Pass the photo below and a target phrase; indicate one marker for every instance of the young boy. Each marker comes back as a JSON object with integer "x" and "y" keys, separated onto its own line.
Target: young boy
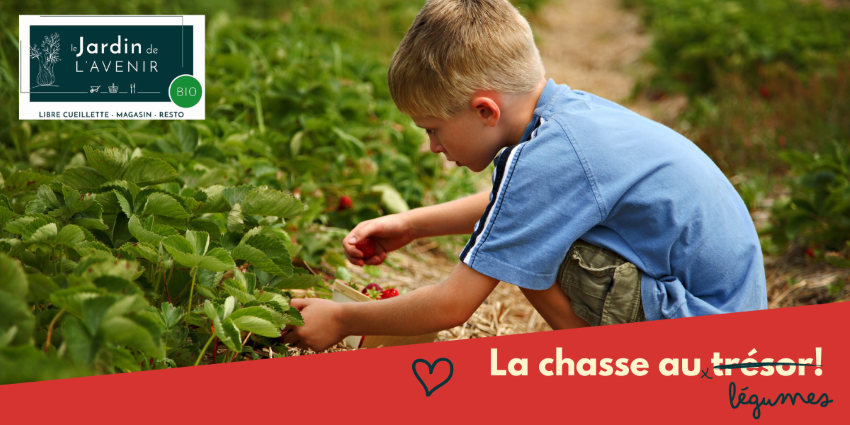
{"x": 599, "y": 215}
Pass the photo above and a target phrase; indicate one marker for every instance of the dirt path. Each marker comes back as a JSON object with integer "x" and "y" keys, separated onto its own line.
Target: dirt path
{"x": 596, "y": 46}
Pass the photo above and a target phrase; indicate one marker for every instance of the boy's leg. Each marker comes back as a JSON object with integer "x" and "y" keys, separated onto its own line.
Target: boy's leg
{"x": 602, "y": 286}
{"x": 554, "y": 306}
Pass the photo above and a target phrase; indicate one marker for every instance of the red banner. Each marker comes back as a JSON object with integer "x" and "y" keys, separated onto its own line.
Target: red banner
{"x": 658, "y": 372}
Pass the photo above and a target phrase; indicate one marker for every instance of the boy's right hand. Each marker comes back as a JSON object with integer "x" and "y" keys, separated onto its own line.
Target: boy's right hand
{"x": 390, "y": 233}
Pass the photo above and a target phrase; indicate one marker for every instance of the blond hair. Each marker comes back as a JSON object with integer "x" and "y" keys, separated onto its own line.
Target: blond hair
{"x": 457, "y": 47}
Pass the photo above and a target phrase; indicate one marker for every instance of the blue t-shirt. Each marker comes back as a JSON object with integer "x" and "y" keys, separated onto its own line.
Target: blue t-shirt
{"x": 587, "y": 168}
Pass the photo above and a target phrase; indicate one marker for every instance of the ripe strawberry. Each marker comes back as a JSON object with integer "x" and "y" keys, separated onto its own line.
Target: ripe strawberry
{"x": 367, "y": 247}
{"x": 373, "y": 286}
{"x": 344, "y": 203}
{"x": 764, "y": 92}
{"x": 810, "y": 253}
{"x": 389, "y": 293}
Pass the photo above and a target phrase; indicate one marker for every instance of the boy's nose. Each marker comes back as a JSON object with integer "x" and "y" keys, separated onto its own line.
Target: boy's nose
{"x": 437, "y": 148}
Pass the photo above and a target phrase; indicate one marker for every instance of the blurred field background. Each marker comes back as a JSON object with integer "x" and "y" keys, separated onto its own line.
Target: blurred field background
{"x": 297, "y": 98}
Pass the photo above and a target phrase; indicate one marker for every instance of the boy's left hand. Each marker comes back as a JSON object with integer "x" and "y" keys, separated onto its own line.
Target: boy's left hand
{"x": 321, "y": 328}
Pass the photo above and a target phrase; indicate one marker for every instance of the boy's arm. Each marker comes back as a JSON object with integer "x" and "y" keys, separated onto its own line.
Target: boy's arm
{"x": 394, "y": 231}
{"x": 424, "y": 310}
{"x": 457, "y": 217}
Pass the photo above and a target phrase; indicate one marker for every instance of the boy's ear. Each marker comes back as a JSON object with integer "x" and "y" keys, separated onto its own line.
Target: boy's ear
{"x": 487, "y": 110}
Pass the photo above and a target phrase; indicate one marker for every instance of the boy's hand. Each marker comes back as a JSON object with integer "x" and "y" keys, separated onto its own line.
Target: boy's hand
{"x": 321, "y": 328}
{"x": 390, "y": 233}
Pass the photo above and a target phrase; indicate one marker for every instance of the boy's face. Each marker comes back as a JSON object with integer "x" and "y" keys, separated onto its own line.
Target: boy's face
{"x": 468, "y": 139}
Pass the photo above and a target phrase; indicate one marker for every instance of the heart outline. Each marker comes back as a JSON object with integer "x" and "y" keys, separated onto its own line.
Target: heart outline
{"x": 431, "y": 371}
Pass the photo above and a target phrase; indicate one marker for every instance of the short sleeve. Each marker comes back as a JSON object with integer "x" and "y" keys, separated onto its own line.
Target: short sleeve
{"x": 543, "y": 200}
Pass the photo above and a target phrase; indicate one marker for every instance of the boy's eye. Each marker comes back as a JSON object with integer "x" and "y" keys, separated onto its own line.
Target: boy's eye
{"x": 429, "y": 132}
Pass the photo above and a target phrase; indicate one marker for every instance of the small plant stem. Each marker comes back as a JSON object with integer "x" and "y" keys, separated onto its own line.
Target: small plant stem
{"x": 215, "y": 350}
{"x": 243, "y": 344}
{"x": 165, "y": 284}
{"x": 191, "y": 293}
{"x": 50, "y": 329}
{"x": 200, "y": 356}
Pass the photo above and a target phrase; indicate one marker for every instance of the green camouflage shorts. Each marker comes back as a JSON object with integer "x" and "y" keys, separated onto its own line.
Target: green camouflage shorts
{"x": 603, "y": 287}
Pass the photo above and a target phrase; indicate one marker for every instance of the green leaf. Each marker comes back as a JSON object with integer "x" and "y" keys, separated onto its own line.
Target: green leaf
{"x": 93, "y": 311}
{"x": 182, "y": 250}
{"x": 5, "y": 215}
{"x": 40, "y": 285}
{"x": 141, "y": 234}
{"x": 391, "y": 199}
{"x": 271, "y": 248}
{"x": 76, "y": 202}
{"x": 145, "y": 171}
{"x": 81, "y": 178}
{"x": 70, "y": 235}
{"x": 229, "y": 305}
{"x": 116, "y": 285}
{"x": 171, "y": 315}
{"x": 18, "y": 225}
{"x": 215, "y": 202}
{"x": 14, "y": 311}
{"x": 256, "y": 320}
{"x": 82, "y": 346}
{"x": 123, "y": 203}
{"x": 199, "y": 240}
{"x": 136, "y": 332}
{"x": 123, "y": 359}
{"x": 235, "y": 220}
{"x": 40, "y": 231}
{"x": 109, "y": 163}
{"x": 235, "y": 195}
{"x": 235, "y": 289}
{"x": 45, "y": 200}
{"x": 269, "y": 202}
{"x": 217, "y": 260}
{"x": 230, "y": 333}
{"x": 342, "y": 273}
{"x": 91, "y": 217}
{"x": 91, "y": 248}
{"x": 13, "y": 281}
{"x": 141, "y": 250}
{"x": 186, "y": 134}
{"x": 257, "y": 259}
{"x": 71, "y": 299}
{"x": 22, "y": 181}
{"x": 165, "y": 205}
{"x": 304, "y": 281}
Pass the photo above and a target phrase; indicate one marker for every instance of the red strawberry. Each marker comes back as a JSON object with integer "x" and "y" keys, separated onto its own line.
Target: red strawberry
{"x": 344, "y": 203}
{"x": 765, "y": 93}
{"x": 367, "y": 247}
{"x": 373, "y": 286}
{"x": 389, "y": 293}
{"x": 810, "y": 253}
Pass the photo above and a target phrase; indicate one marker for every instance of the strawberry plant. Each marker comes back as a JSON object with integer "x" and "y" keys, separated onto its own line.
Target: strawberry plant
{"x": 137, "y": 245}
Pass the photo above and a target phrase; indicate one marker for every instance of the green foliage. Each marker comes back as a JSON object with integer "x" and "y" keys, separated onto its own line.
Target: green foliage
{"x": 698, "y": 41}
{"x": 818, "y": 211}
{"x": 132, "y": 245}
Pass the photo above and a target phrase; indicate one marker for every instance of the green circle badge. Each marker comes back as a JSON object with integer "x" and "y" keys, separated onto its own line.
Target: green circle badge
{"x": 185, "y": 91}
